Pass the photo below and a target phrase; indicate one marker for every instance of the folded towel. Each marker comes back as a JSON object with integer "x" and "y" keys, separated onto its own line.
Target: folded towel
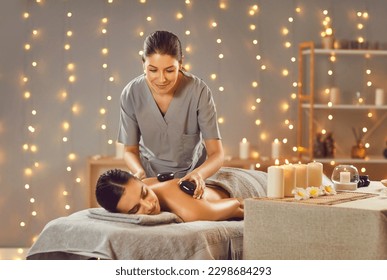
{"x": 162, "y": 218}
{"x": 241, "y": 183}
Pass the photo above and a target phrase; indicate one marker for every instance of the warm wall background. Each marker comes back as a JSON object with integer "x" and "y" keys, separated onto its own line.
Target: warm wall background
{"x": 66, "y": 109}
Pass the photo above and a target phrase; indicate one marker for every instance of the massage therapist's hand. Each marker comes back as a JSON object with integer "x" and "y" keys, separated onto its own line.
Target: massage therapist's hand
{"x": 140, "y": 174}
{"x": 199, "y": 182}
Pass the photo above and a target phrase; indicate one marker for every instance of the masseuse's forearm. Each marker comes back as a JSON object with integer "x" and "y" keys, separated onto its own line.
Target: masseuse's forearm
{"x": 215, "y": 158}
{"x": 210, "y": 166}
{"x": 132, "y": 160}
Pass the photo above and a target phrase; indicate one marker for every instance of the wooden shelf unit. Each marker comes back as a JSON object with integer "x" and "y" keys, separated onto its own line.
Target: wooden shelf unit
{"x": 307, "y": 105}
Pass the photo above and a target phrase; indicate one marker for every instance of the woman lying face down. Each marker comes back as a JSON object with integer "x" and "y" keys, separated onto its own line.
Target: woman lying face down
{"x": 119, "y": 191}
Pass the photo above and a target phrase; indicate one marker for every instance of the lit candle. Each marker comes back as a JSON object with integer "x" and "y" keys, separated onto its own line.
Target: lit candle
{"x": 345, "y": 177}
{"x": 301, "y": 175}
{"x": 289, "y": 179}
{"x": 314, "y": 171}
{"x": 379, "y": 97}
{"x": 119, "y": 150}
{"x": 275, "y": 182}
{"x": 275, "y": 149}
{"x": 334, "y": 95}
{"x": 244, "y": 148}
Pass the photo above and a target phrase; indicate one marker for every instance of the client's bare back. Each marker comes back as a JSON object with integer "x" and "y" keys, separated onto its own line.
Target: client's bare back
{"x": 214, "y": 205}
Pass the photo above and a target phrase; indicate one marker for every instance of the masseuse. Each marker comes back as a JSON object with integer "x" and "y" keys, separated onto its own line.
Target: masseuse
{"x": 168, "y": 119}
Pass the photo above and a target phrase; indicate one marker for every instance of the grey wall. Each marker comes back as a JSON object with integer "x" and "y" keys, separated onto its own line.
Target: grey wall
{"x": 126, "y": 18}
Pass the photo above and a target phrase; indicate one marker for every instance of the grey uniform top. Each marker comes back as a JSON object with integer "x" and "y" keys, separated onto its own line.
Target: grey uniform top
{"x": 173, "y": 142}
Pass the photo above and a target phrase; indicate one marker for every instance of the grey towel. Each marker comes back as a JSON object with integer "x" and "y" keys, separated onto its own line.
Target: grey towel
{"x": 162, "y": 218}
{"x": 241, "y": 183}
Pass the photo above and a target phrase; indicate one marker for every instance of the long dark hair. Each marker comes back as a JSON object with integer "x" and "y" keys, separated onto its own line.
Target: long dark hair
{"x": 163, "y": 42}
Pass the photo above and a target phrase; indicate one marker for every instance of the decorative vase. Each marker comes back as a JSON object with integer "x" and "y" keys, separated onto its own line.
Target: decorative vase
{"x": 319, "y": 150}
{"x": 330, "y": 148}
{"x": 327, "y": 42}
{"x": 358, "y": 151}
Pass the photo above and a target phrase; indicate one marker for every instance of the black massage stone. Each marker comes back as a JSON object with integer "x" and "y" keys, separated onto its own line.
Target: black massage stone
{"x": 166, "y": 176}
{"x": 188, "y": 187}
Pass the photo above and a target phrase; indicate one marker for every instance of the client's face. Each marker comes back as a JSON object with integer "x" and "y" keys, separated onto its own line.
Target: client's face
{"x": 138, "y": 198}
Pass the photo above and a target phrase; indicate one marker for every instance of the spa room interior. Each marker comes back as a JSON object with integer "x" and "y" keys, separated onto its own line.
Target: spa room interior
{"x": 295, "y": 83}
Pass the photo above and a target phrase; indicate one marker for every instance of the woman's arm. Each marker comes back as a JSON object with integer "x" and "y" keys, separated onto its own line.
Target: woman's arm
{"x": 214, "y": 160}
{"x": 213, "y": 163}
{"x": 132, "y": 160}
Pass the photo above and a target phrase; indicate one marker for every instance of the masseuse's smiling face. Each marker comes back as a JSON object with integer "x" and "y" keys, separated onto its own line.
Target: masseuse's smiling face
{"x": 138, "y": 198}
{"x": 162, "y": 73}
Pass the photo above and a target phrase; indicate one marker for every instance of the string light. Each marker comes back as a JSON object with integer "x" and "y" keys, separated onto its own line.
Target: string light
{"x": 29, "y": 148}
{"x": 288, "y": 33}
{"x": 70, "y": 108}
{"x": 72, "y": 156}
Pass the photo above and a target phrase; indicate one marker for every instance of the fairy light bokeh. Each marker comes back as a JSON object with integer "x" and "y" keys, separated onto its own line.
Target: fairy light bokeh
{"x": 73, "y": 69}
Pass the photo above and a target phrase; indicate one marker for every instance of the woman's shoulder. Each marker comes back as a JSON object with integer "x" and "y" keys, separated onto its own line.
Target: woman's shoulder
{"x": 137, "y": 83}
{"x": 134, "y": 88}
{"x": 194, "y": 84}
{"x": 193, "y": 80}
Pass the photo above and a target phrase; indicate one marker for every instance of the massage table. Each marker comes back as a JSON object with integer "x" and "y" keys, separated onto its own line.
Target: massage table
{"x": 84, "y": 235}
{"x": 97, "y": 234}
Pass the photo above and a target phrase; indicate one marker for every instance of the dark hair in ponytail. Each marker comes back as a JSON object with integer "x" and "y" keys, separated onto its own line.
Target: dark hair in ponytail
{"x": 163, "y": 42}
{"x": 110, "y": 187}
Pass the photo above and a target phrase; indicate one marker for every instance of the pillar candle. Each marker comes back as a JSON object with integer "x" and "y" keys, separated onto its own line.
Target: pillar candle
{"x": 301, "y": 175}
{"x": 244, "y": 149}
{"x": 314, "y": 171}
{"x": 275, "y": 182}
{"x": 275, "y": 149}
{"x": 289, "y": 179}
{"x": 334, "y": 95}
{"x": 345, "y": 177}
{"x": 379, "y": 97}
{"x": 119, "y": 150}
